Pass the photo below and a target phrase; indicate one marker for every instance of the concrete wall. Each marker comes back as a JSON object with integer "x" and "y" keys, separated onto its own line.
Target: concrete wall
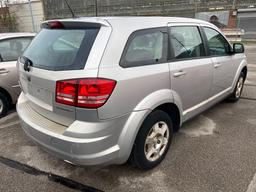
{"x": 22, "y": 14}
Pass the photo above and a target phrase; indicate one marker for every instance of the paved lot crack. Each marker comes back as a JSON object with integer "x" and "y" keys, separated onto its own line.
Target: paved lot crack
{"x": 250, "y": 99}
{"x": 250, "y": 85}
{"x": 9, "y": 124}
{"x": 52, "y": 177}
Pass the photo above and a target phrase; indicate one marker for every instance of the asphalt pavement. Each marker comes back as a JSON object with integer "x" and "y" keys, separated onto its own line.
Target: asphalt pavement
{"x": 213, "y": 152}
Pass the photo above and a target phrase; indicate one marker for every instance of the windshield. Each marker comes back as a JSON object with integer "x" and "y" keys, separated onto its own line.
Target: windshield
{"x": 61, "y": 49}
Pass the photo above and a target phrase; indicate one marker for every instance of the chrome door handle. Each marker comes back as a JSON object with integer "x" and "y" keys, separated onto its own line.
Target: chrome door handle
{"x": 217, "y": 65}
{"x": 3, "y": 71}
{"x": 180, "y": 73}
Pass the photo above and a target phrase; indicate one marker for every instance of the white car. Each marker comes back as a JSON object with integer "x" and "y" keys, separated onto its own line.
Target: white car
{"x": 11, "y": 47}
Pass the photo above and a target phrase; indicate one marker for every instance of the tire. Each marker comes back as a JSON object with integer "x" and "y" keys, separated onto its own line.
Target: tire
{"x": 4, "y": 104}
{"x": 158, "y": 144}
{"x": 235, "y": 96}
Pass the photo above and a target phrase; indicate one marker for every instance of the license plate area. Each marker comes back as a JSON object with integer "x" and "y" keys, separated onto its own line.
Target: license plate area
{"x": 40, "y": 93}
{"x": 23, "y": 83}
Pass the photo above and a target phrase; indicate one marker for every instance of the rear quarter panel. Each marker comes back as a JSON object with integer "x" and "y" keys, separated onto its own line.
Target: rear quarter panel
{"x": 133, "y": 85}
{"x": 9, "y": 80}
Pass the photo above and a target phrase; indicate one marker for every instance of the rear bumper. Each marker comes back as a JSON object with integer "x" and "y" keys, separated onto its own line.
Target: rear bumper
{"x": 63, "y": 149}
{"x": 81, "y": 143}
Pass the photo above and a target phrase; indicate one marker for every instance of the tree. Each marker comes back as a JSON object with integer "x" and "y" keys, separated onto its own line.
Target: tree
{"x": 8, "y": 21}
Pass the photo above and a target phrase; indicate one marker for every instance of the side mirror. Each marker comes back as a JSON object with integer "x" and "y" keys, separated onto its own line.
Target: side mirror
{"x": 1, "y": 58}
{"x": 238, "y": 48}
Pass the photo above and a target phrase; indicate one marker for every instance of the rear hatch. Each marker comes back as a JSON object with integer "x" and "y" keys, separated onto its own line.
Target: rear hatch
{"x": 62, "y": 50}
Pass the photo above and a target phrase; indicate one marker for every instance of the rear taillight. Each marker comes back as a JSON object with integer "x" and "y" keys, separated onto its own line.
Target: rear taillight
{"x": 66, "y": 92}
{"x": 88, "y": 93}
{"x": 94, "y": 93}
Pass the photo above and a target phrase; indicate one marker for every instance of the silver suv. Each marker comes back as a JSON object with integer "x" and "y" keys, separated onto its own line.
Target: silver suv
{"x": 105, "y": 90}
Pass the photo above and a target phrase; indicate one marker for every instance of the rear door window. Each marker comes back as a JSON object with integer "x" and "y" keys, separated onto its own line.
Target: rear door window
{"x": 11, "y": 49}
{"x": 61, "y": 49}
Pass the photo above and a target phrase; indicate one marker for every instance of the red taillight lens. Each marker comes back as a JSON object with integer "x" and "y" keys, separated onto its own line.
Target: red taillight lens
{"x": 66, "y": 92}
{"x": 93, "y": 93}
{"x": 88, "y": 93}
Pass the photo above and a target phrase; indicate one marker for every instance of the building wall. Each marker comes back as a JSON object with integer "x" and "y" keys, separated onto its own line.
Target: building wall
{"x": 247, "y": 21}
{"x": 22, "y": 13}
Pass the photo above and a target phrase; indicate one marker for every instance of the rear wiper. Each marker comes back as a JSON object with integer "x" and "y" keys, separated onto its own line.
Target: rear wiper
{"x": 27, "y": 63}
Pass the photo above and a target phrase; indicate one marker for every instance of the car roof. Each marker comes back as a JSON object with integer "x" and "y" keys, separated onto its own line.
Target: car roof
{"x": 150, "y": 19}
{"x": 11, "y": 35}
{"x": 137, "y": 22}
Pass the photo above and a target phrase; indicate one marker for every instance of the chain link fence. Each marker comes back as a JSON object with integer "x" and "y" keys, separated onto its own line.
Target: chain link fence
{"x": 186, "y": 8}
{"x": 21, "y": 16}
{"x": 12, "y": 17}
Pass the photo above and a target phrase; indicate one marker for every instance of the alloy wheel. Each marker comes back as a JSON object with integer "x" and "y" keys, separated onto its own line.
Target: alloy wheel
{"x": 156, "y": 141}
{"x": 239, "y": 87}
{"x": 1, "y": 106}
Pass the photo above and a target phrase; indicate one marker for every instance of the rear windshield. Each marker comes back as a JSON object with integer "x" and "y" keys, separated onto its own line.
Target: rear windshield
{"x": 61, "y": 49}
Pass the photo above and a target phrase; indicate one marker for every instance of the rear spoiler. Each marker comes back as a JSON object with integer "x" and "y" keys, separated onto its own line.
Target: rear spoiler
{"x": 75, "y": 23}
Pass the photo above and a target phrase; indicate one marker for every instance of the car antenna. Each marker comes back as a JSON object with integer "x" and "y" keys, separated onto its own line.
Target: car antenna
{"x": 70, "y": 9}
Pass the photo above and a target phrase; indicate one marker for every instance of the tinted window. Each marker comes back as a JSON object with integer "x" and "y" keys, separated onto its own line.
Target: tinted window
{"x": 11, "y": 49}
{"x": 144, "y": 47}
{"x": 186, "y": 42}
{"x": 69, "y": 42}
{"x": 218, "y": 45}
{"x": 61, "y": 49}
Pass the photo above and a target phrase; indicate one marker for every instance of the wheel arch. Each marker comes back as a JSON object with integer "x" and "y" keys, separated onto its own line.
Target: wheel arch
{"x": 166, "y": 100}
{"x": 5, "y": 92}
{"x": 173, "y": 112}
{"x": 244, "y": 70}
{"x": 133, "y": 125}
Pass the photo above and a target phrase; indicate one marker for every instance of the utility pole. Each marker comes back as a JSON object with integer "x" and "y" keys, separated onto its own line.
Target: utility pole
{"x": 96, "y": 8}
{"x": 31, "y": 15}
